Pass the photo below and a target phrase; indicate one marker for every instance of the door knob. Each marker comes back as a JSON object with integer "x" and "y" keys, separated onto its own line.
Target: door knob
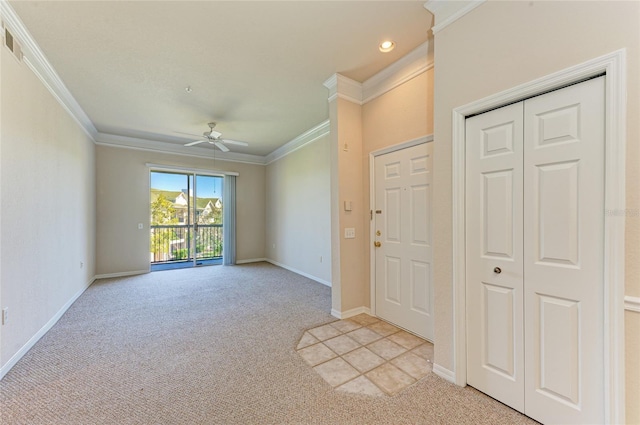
{"x": 497, "y": 270}
{"x": 377, "y": 244}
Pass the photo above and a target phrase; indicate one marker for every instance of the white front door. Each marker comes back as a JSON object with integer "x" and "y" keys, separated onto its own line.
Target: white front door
{"x": 403, "y": 261}
{"x": 535, "y": 249}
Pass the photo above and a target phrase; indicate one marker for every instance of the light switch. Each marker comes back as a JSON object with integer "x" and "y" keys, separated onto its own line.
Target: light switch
{"x": 349, "y": 233}
{"x": 347, "y": 205}
{"x": 140, "y": 226}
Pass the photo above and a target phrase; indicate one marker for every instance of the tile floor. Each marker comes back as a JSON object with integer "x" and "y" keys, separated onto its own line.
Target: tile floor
{"x": 366, "y": 355}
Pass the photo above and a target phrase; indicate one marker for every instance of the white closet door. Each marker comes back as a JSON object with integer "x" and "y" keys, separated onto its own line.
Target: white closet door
{"x": 403, "y": 270}
{"x": 494, "y": 240}
{"x": 563, "y": 254}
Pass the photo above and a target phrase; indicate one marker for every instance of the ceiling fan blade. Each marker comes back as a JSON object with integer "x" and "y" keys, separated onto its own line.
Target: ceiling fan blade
{"x": 214, "y": 134}
{"x": 222, "y": 147}
{"x": 195, "y": 143}
{"x": 234, "y": 142}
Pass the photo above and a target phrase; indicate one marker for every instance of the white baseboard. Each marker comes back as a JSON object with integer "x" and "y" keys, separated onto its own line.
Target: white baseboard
{"x": 251, "y": 260}
{"x": 444, "y": 373}
{"x": 291, "y": 269}
{"x": 121, "y": 274}
{"x": 350, "y": 313}
{"x": 25, "y": 348}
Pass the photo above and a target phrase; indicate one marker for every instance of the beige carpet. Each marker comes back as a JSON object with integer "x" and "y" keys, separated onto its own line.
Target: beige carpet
{"x": 212, "y": 345}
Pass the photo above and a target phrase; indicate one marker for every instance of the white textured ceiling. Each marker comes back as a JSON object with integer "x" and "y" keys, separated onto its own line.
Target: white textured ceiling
{"x": 256, "y": 68}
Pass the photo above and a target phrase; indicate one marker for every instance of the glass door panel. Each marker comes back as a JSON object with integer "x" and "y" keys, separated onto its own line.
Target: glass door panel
{"x": 208, "y": 219}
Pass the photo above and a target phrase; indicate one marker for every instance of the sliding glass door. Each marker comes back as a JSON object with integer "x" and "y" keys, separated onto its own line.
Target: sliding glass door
{"x": 186, "y": 220}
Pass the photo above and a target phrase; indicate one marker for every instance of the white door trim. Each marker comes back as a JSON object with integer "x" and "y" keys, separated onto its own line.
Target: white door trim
{"x": 372, "y": 196}
{"x": 614, "y": 66}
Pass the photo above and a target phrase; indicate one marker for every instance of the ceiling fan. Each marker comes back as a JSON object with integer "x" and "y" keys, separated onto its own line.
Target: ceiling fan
{"x": 213, "y": 137}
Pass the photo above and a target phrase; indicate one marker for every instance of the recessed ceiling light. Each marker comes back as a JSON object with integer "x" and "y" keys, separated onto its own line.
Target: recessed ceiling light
{"x": 387, "y": 46}
{"x": 188, "y": 89}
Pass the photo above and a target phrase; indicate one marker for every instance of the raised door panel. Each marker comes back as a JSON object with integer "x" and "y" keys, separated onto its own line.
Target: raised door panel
{"x": 393, "y": 214}
{"x": 556, "y": 212}
{"x": 559, "y": 376}
{"x": 497, "y": 214}
{"x": 498, "y": 339}
{"x": 420, "y": 278}
{"x": 420, "y": 220}
{"x": 392, "y": 281}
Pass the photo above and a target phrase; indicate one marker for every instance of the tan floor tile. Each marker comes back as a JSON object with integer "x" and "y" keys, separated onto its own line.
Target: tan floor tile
{"x": 361, "y": 385}
{"x": 383, "y": 328}
{"x": 324, "y": 332}
{"x": 336, "y": 371}
{"x": 407, "y": 340}
{"x": 316, "y": 354}
{"x": 413, "y": 365}
{"x": 364, "y": 336}
{"x": 306, "y": 340}
{"x": 364, "y": 319}
{"x": 345, "y": 326}
{"x": 390, "y": 379}
{"x": 342, "y": 344}
{"x": 425, "y": 351}
{"x": 363, "y": 359}
{"x": 386, "y": 349}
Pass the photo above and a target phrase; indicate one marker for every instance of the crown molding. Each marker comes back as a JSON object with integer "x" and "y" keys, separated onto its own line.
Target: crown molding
{"x": 125, "y": 142}
{"x": 345, "y": 88}
{"x": 300, "y": 141}
{"x": 39, "y": 64}
{"x": 414, "y": 63}
{"x": 447, "y": 12}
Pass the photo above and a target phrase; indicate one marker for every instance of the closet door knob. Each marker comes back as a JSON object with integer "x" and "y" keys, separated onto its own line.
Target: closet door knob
{"x": 497, "y": 270}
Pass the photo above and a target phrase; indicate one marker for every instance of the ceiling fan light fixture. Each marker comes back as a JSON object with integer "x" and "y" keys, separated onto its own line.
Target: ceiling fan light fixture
{"x": 387, "y": 46}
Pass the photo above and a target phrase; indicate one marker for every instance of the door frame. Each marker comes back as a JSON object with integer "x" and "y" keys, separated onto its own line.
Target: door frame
{"x": 612, "y": 65}
{"x": 372, "y": 196}
{"x": 191, "y": 172}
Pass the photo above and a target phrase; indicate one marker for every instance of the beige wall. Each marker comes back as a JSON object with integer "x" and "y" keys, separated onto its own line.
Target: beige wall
{"x": 123, "y": 201}
{"x": 402, "y": 114}
{"x": 47, "y": 206}
{"x": 298, "y": 210}
{"x": 501, "y": 45}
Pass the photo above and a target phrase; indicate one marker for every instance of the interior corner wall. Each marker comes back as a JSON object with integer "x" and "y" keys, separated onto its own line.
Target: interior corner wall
{"x": 402, "y": 114}
{"x": 122, "y": 186}
{"x": 47, "y": 207}
{"x": 298, "y": 211}
{"x": 500, "y": 45}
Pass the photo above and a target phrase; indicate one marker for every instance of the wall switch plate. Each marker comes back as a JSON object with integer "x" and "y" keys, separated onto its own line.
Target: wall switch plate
{"x": 140, "y": 226}
{"x": 349, "y": 233}
{"x": 5, "y": 315}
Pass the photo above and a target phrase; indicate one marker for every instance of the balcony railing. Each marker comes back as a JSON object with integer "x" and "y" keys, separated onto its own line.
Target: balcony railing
{"x": 174, "y": 242}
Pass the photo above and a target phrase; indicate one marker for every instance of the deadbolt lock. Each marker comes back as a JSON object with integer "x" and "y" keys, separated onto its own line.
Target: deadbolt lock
{"x": 378, "y": 233}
